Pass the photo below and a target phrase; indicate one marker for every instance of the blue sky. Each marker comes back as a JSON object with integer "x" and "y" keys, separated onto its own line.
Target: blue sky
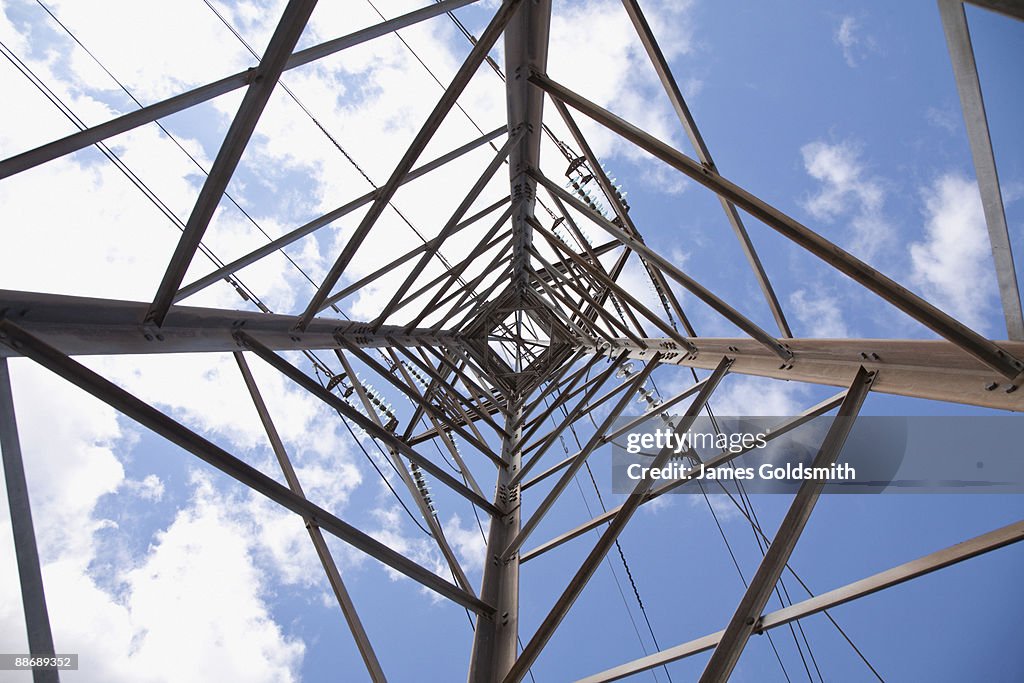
{"x": 843, "y": 115}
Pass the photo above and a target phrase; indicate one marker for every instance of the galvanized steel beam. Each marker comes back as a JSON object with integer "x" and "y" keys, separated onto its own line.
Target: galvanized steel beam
{"x": 282, "y": 42}
{"x": 86, "y": 326}
{"x": 965, "y": 70}
{"x": 26, "y": 551}
{"x": 931, "y": 369}
{"x": 348, "y": 608}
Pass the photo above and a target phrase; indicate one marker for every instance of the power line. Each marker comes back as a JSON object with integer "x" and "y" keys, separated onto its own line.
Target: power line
{"x": 622, "y": 554}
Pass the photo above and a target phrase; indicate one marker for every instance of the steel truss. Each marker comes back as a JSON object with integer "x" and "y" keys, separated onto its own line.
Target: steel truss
{"x": 529, "y": 329}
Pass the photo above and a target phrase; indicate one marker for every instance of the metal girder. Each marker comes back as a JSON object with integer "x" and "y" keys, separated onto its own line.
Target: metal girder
{"x": 496, "y": 637}
{"x": 445, "y": 279}
{"x": 419, "y": 143}
{"x": 579, "y": 580}
{"x": 449, "y": 388}
{"x": 965, "y": 70}
{"x": 151, "y": 418}
{"x": 454, "y": 275}
{"x": 85, "y": 326}
{"x": 204, "y": 93}
{"x": 446, "y": 391}
{"x": 567, "y": 298}
{"x": 348, "y": 608}
{"x": 585, "y": 297}
{"x": 556, "y": 381}
{"x": 675, "y": 96}
{"x": 979, "y": 545}
{"x": 474, "y": 302}
{"x": 565, "y": 393}
{"x": 586, "y": 407}
{"x": 282, "y": 42}
{"x": 440, "y": 430}
{"x": 526, "y": 50}
{"x": 928, "y": 315}
{"x": 931, "y": 369}
{"x": 761, "y": 586}
{"x": 26, "y": 552}
{"x": 612, "y": 287}
{"x": 383, "y": 373}
{"x": 466, "y": 298}
{"x": 1011, "y": 8}
{"x": 488, "y": 241}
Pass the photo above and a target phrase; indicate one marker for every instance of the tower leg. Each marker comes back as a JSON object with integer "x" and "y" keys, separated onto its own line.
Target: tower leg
{"x": 496, "y": 638}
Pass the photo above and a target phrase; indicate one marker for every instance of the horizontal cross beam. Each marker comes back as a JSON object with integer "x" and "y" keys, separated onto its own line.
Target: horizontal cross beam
{"x": 932, "y": 369}
{"x": 86, "y": 326}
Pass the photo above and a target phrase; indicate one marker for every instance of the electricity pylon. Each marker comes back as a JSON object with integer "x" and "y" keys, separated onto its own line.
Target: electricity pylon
{"x": 533, "y": 323}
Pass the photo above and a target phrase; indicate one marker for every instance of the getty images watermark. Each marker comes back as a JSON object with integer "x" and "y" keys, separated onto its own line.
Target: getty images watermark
{"x": 968, "y": 454}
{"x": 688, "y": 443}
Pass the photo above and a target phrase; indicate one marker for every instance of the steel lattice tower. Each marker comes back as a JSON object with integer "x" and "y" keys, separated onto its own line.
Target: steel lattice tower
{"x": 533, "y": 321}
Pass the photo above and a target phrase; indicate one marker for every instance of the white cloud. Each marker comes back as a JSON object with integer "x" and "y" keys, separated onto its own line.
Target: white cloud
{"x": 953, "y": 264}
{"x": 468, "y": 543}
{"x": 848, "y": 38}
{"x": 847, "y": 193}
{"x": 724, "y": 508}
{"x": 665, "y": 179}
{"x": 202, "y": 565}
{"x": 166, "y": 69}
{"x": 947, "y": 119}
{"x": 757, "y": 396}
{"x": 149, "y": 488}
{"x": 820, "y": 315}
